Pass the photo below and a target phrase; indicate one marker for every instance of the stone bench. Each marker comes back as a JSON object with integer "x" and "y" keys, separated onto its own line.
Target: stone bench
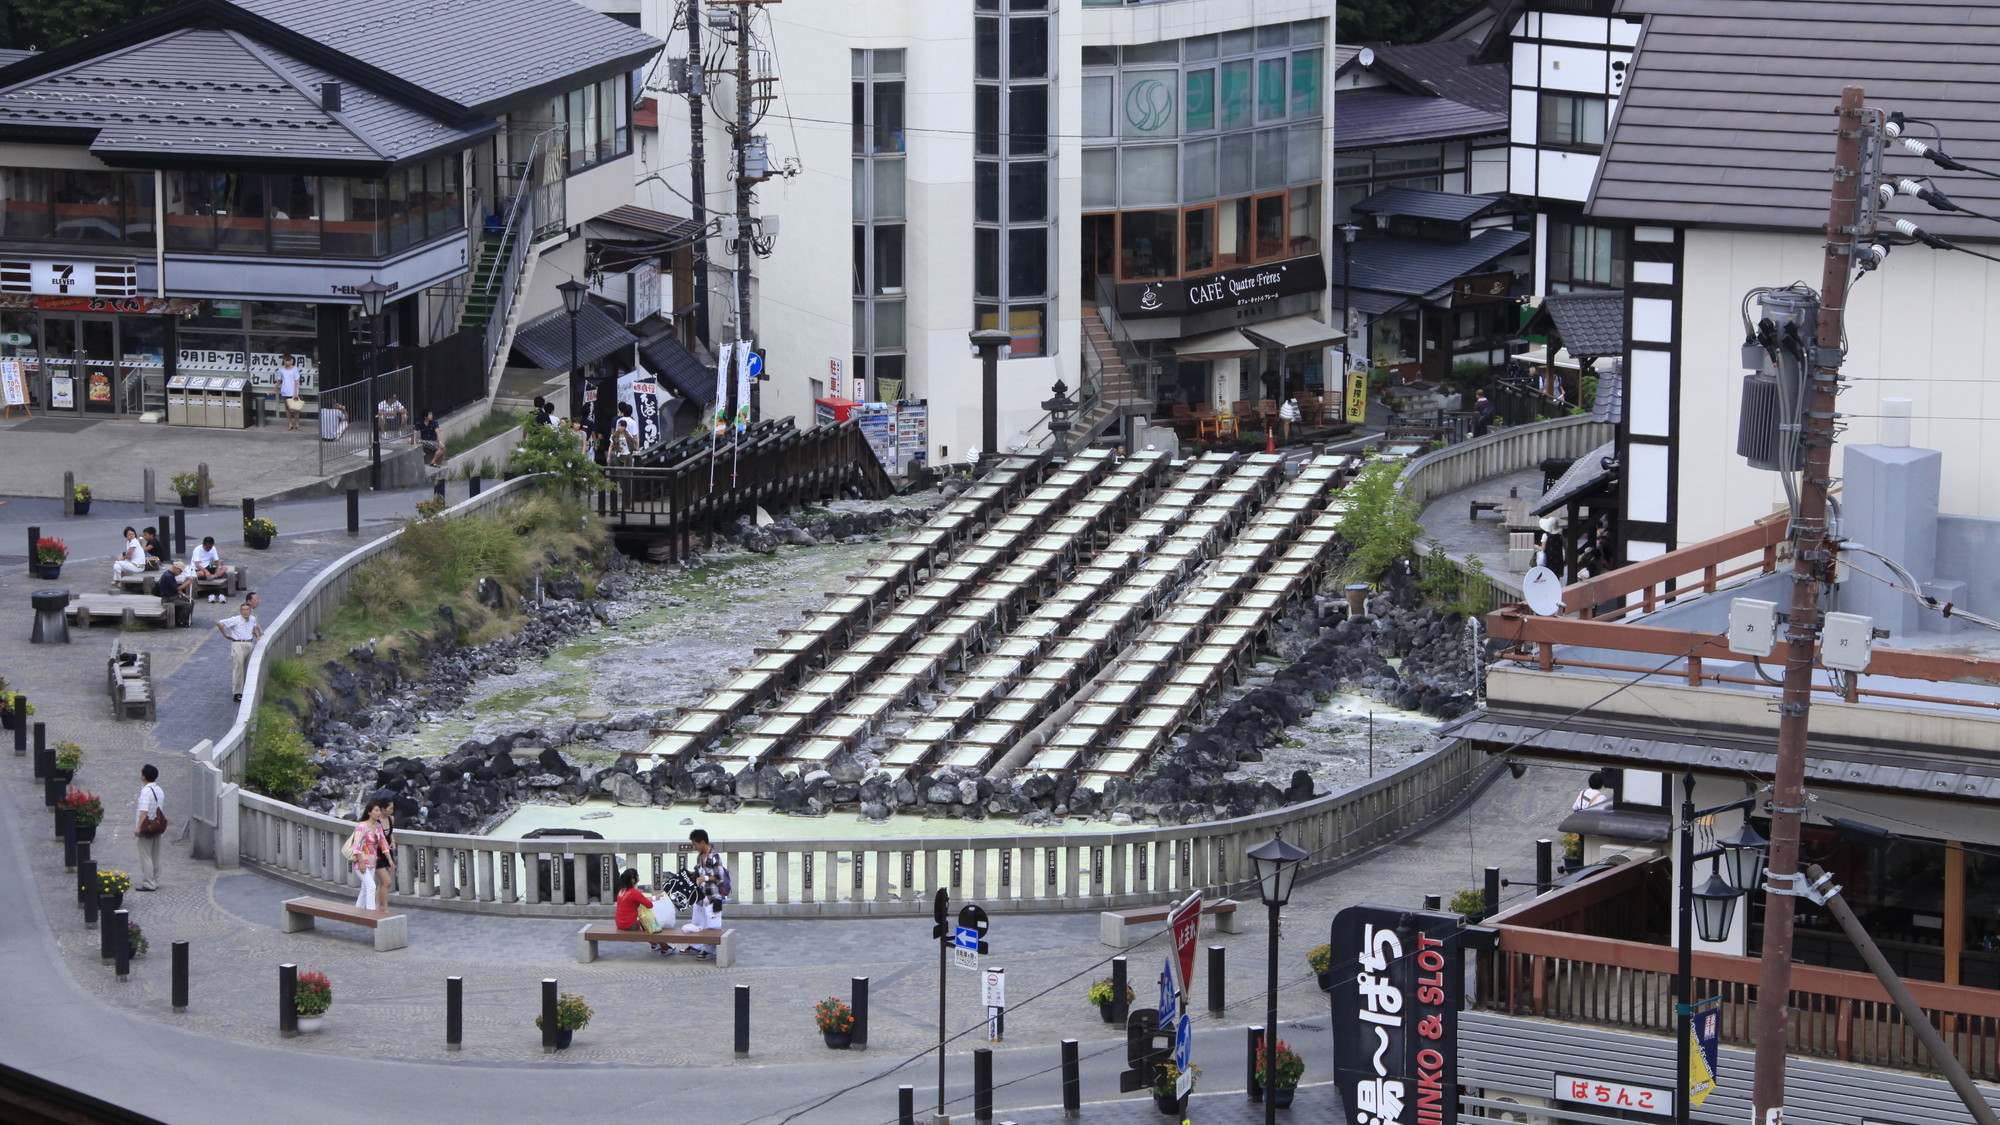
{"x": 724, "y": 941}
{"x": 1114, "y": 927}
{"x": 126, "y": 609}
{"x": 392, "y": 931}
{"x": 130, "y": 685}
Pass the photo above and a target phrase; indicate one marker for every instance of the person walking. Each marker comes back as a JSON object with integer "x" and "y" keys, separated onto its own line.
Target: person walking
{"x": 712, "y": 884}
{"x": 131, "y": 559}
{"x": 367, "y": 849}
{"x": 288, "y": 390}
{"x": 151, "y": 825}
{"x": 243, "y": 632}
{"x": 385, "y": 861}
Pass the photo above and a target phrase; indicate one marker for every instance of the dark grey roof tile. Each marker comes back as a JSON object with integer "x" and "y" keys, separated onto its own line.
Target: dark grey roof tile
{"x": 1591, "y": 323}
{"x": 545, "y": 339}
{"x": 1422, "y": 204}
{"x": 1369, "y": 118}
{"x": 1412, "y": 267}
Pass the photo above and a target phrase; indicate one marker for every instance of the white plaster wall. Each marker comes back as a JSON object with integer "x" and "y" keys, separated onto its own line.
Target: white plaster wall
{"x": 1577, "y": 69}
{"x": 1566, "y": 175}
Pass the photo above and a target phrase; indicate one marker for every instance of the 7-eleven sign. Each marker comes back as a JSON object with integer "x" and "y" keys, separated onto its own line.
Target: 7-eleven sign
{"x": 1185, "y": 921}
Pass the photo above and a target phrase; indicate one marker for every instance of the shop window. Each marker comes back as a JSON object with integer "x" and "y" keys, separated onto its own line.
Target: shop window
{"x": 1235, "y": 164}
{"x": 888, "y": 117}
{"x": 986, "y": 120}
{"x": 986, "y": 191}
{"x": 888, "y": 260}
{"x": 191, "y": 210}
{"x": 87, "y": 207}
{"x": 1271, "y": 90}
{"x": 1198, "y": 170}
{"x": 1149, "y": 175}
{"x": 1199, "y": 99}
{"x": 1270, "y": 227}
{"x": 1198, "y": 239}
{"x": 1147, "y": 104}
{"x": 986, "y": 262}
{"x": 399, "y": 208}
{"x": 1572, "y": 120}
{"x": 24, "y": 210}
{"x": 1097, "y": 98}
{"x": 1147, "y": 242}
{"x": 1270, "y": 170}
{"x": 1025, "y": 325}
{"x": 986, "y": 47}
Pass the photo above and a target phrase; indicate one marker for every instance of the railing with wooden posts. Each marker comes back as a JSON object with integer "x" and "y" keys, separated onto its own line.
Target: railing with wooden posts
{"x": 1835, "y": 1014}
{"x": 570, "y": 877}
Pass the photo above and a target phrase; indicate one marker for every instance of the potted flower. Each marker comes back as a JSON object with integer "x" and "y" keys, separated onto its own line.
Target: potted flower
{"x": 311, "y": 997}
{"x": 257, "y": 532}
{"x": 572, "y": 1015}
{"x": 7, "y": 705}
{"x": 50, "y": 554}
{"x": 136, "y": 940}
{"x": 1280, "y": 1080}
{"x": 836, "y": 1023}
{"x": 1320, "y": 957}
{"x": 86, "y": 808}
{"x": 68, "y": 757}
{"x": 431, "y": 509}
{"x": 1165, "y": 1095}
{"x": 1101, "y": 994}
{"x": 1572, "y": 851}
{"x": 81, "y": 497}
{"x": 189, "y": 486}
{"x": 1469, "y": 902}
{"x": 113, "y": 882}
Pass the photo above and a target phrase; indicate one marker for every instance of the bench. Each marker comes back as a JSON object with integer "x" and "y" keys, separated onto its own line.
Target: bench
{"x": 235, "y": 579}
{"x": 141, "y": 583}
{"x": 392, "y": 931}
{"x": 724, "y": 941}
{"x": 1114, "y": 927}
{"x": 126, "y": 609}
{"x": 130, "y": 685}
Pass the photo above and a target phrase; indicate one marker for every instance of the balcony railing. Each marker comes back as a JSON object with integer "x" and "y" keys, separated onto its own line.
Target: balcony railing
{"x": 1835, "y": 1014}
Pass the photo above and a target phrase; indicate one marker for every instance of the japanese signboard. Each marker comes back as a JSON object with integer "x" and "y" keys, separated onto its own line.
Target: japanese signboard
{"x": 1227, "y": 289}
{"x": 13, "y": 384}
{"x": 1356, "y": 403}
{"x": 1396, "y": 1027}
{"x": 1482, "y": 287}
{"x": 1185, "y": 921}
{"x": 1706, "y": 1029}
{"x": 1613, "y": 1095}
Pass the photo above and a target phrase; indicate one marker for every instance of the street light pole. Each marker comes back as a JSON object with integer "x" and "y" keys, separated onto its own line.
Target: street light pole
{"x": 1347, "y": 233}
{"x": 372, "y": 293}
{"x": 989, "y": 341}
{"x": 573, "y": 293}
{"x": 1718, "y": 902}
{"x": 1277, "y": 864}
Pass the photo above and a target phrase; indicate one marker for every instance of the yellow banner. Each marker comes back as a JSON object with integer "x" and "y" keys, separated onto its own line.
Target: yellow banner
{"x": 1701, "y": 1083}
{"x": 1357, "y": 395}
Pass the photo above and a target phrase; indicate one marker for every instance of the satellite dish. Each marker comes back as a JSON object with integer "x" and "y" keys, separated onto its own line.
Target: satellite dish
{"x": 1367, "y": 57}
{"x": 1543, "y": 591}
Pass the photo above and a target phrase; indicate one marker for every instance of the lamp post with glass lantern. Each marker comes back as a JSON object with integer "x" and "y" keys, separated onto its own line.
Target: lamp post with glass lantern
{"x": 1707, "y": 909}
{"x": 573, "y": 293}
{"x": 372, "y": 294}
{"x": 1276, "y": 864}
{"x": 1347, "y": 233}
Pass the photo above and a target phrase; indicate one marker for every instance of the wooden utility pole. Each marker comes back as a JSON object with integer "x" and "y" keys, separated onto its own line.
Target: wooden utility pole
{"x": 1812, "y": 565}
{"x": 697, "y": 98}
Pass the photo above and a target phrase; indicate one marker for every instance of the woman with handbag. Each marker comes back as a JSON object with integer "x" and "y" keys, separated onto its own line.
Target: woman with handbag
{"x": 366, "y": 849}
{"x": 635, "y": 909}
{"x": 152, "y": 825}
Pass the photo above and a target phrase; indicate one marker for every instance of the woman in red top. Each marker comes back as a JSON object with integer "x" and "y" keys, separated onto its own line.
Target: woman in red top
{"x": 630, "y": 900}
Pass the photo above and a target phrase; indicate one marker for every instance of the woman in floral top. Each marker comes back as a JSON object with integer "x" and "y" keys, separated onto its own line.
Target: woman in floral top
{"x": 369, "y": 846}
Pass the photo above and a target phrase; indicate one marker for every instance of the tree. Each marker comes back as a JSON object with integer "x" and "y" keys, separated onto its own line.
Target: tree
{"x": 1393, "y": 21}
{"x": 41, "y": 25}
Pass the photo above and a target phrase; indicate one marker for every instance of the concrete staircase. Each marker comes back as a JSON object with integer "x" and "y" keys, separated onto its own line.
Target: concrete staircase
{"x": 1121, "y": 394}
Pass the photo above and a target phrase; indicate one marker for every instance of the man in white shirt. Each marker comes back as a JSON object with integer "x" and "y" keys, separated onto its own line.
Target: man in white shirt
{"x": 243, "y": 632}
{"x": 208, "y": 563}
{"x": 288, "y": 389}
{"x": 131, "y": 560}
{"x": 391, "y": 412}
{"x": 151, "y": 800}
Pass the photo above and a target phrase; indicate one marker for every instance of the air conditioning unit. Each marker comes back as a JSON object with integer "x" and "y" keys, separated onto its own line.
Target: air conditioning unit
{"x": 1520, "y": 1111}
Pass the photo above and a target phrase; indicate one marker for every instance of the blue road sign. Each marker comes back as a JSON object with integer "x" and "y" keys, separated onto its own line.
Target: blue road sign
{"x": 1183, "y": 1044}
{"x": 965, "y": 937}
{"x": 756, "y": 365}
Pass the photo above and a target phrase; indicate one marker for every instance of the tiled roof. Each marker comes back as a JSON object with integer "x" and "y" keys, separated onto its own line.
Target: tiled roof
{"x": 1374, "y": 117}
{"x": 1445, "y": 68}
{"x": 652, "y": 222}
{"x": 1591, "y": 323}
{"x": 1725, "y": 117}
{"x": 478, "y": 53}
{"x": 1423, "y": 204}
{"x": 1412, "y": 267}
{"x": 545, "y": 339}
{"x": 1585, "y": 473}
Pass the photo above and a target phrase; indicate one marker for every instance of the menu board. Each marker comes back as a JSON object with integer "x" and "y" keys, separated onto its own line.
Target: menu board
{"x": 13, "y": 383}
{"x": 62, "y": 392}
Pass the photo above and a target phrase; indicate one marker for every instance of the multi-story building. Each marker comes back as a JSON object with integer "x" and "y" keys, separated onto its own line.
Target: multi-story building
{"x": 1153, "y": 172}
{"x": 200, "y": 191}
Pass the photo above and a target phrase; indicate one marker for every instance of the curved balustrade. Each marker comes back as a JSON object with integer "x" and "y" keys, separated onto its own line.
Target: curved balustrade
{"x": 1502, "y": 452}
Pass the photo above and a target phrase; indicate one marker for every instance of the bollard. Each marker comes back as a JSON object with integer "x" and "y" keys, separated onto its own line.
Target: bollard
{"x": 288, "y": 1004}
{"x": 86, "y": 887}
{"x": 1545, "y": 866}
{"x": 202, "y": 484}
{"x": 181, "y": 532}
{"x": 742, "y": 1021}
{"x": 454, "y": 1013}
{"x": 1253, "y": 1041}
{"x": 149, "y": 486}
{"x": 1072, "y": 1080}
{"x": 82, "y": 852}
{"x": 474, "y": 483}
{"x": 69, "y": 494}
{"x": 89, "y": 900}
{"x": 21, "y": 727}
{"x": 353, "y": 512}
{"x": 1215, "y": 981}
{"x": 437, "y": 489}
{"x": 1121, "y": 1006}
{"x": 906, "y": 1105}
{"x": 180, "y": 976}
{"x": 66, "y": 820}
{"x": 1492, "y": 891}
{"x": 121, "y": 945}
{"x": 107, "y": 942}
{"x": 34, "y": 533}
{"x": 41, "y": 740}
{"x": 549, "y": 1016}
{"x": 1433, "y": 902}
{"x": 859, "y": 1002}
{"x": 982, "y": 1085}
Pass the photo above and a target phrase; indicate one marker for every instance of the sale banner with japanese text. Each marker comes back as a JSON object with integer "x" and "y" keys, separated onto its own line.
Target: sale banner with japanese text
{"x": 1398, "y": 986}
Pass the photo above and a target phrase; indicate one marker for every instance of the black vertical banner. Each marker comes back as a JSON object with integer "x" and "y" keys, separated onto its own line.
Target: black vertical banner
{"x": 1399, "y": 983}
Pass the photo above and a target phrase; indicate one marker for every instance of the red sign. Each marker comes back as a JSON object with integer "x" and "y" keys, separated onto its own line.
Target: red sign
{"x": 182, "y": 306}
{"x": 1617, "y": 1095}
{"x": 1185, "y": 921}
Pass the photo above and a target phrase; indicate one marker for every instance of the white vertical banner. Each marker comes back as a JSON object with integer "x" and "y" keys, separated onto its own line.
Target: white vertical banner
{"x": 722, "y": 360}
{"x": 745, "y": 352}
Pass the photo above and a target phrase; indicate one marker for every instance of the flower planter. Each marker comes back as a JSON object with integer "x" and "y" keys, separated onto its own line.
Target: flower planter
{"x": 1326, "y": 981}
{"x": 1168, "y": 1104}
{"x": 838, "y": 1040}
{"x": 190, "y": 500}
{"x": 257, "y": 542}
{"x": 1104, "y": 1010}
{"x": 563, "y": 1036}
{"x": 82, "y": 507}
{"x": 310, "y": 1024}
{"x": 1281, "y": 1096}
{"x": 86, "y": 832}
{"x": 6, "y": 718}
{"x": 117, "y": 900}
{"x": 48, "y": 572}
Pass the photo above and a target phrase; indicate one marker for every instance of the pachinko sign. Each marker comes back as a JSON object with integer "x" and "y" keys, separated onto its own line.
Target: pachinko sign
{"x": 1398, "y": 986}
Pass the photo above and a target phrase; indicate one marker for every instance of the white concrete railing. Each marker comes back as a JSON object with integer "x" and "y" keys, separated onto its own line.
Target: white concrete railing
{"x": 1497, "y": 454}
{"x": 286, "y": 636}
{"x": 571, "y": 877}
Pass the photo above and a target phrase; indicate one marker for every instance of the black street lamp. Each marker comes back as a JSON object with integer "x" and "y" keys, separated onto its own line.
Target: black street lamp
{"x": 1060, "y": 408}
{"x": 1347, "y": 233}
{"x": 989, "y": 341}
{"x": 1707, "y": 910}
{"x": 573, "y": 294}
{"x": 372, "y": 294}
{"x": 1276, "y": 864}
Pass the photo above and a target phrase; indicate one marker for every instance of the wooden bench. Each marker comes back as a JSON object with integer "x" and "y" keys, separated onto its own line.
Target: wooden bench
{"x": 724, "y": 941}
{"x": 1484, "y": 504}
{"x": 141, "y": 583}
{"x": 126, "y": 609}
{"x": 235, "y": 579}
{"x": 1114, "y": 927}
{"x": 392, "y": 931}
{"x": 130, "y": 685}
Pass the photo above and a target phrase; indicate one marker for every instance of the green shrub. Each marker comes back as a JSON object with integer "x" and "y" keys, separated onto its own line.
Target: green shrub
{"x": 288, "y": 675}
{"x": 281, "y": 761}
{"x": 550, "y": 449}
{"x": 1380, "y": 524}
{"x": 1468, "y": 902}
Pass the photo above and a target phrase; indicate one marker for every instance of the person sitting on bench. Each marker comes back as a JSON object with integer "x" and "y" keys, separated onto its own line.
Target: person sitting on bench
{"x": 131, "y": 559}
{"x": 208, "y": 564}
{"x": 175, "y": 593}
{"x": 635, "y": 910}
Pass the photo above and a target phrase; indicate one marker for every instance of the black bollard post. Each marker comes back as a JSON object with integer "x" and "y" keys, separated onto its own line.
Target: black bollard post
{"x": 121, "y": 944}
{"x": 1433, "y": 902}
{"x": 1072, "y": 1080}
{"x": 86, "y": 887}
{"x": 288, "y": 1000}
{"x": 742, "y": 1021}
{"x": 906, "y": 1105}
{"x": 549, "y": 1016}
{"x": 82, "y": 852}
{"x": 107, "y": 942}
{"x": 1253, "y": 1041}
{"x": 353, "y": 512}
{"x": 1492, "y": 891}
{"x": 982, "y": 1085}
{"x": 42, "y": 745}
{"x": 1121, "y": 1005}
{"x": 474, "y": 484}
{"x": 180, "y": 976}
{"x": 1545, "y": 866}
{"x": 89, "y": 901}
{"x": 1215, "y": 981}
{"x": 859, "y": 1003}
{"x": 34, "y": 534}
{"x": 67, "y": 819}
{"x": 454, "y": 1013}
{"x": 20, "y": 725}
{"x": 249, "y": 509}
{"x": 180, "y": 532}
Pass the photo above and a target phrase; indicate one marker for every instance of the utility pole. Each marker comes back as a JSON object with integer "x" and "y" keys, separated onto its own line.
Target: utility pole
{"x": 1812, "y": 564}
{"x": 744, "y": 185}
{"x": 697, "y": 93}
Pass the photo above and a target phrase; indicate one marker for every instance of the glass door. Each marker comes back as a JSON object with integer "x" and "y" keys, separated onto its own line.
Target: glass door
{"x": 97, "y": 354}
{"x": 59, "y": 343}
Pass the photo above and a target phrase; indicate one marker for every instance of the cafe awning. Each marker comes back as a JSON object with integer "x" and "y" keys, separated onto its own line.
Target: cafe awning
{"x": 1293, "y": 333}
{"x": 1226, "y": 344}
